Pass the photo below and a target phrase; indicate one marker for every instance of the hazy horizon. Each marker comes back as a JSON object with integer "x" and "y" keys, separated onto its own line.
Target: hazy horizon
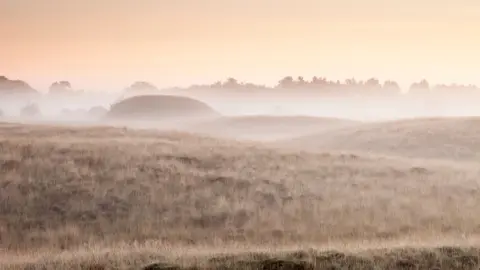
{"x": 239, "y": 134}
{"x": 106, "y": 45}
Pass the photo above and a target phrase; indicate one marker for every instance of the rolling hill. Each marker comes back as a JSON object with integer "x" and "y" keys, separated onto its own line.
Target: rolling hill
{"x": 454, "y": 138}
{"x": 267, "y": 128}
{"x": 159, "y": 107}
{"x": 65, "y": 187}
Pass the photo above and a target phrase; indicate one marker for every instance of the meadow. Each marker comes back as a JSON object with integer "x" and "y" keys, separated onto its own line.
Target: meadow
{"x": 99, "y": 197}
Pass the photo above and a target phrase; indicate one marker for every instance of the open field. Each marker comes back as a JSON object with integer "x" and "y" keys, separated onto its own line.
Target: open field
{"x": 117, "y": 198}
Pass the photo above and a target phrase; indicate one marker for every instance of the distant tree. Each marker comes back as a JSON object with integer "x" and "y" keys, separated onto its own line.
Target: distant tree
{"x": 30, "y": 110}
{"x": 231, "y": 83}
{"x": 420, "y": 87}
{"x": 301, "y": 82}
{"x": 286, "y": 82}
{"x": 373, "y": 83}
{"x": 61, "y": 87}
{"x": 141, "y": 86}
{"x": 216, "y": 85}
{"x": 391, "y": 86}
{"x": 351, "y": 82}
{"x": 318, "y": 82}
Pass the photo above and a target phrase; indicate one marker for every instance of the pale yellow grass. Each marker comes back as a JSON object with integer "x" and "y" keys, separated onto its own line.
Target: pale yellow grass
{"x": 444, "y": 254}
{"x": 78, "y": 197}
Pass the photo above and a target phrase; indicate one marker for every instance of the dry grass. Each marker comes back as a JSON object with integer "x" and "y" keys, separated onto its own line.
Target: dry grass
{"x": 150, "y": 256}
{"x": 67, "y": 192}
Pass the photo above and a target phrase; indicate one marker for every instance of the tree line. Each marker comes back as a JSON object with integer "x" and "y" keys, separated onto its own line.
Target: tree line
{"x": 322, "y": 83}
{"x": 288, "y": 83}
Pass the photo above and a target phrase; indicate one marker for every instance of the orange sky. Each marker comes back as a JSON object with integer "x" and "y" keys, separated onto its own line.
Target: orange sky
{"x": 107, "y": 44}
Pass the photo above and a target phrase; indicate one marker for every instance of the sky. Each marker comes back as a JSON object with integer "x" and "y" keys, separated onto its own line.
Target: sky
{"x": 109, "y": 44}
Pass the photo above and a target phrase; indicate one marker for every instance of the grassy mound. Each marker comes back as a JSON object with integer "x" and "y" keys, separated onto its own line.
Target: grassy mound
{"x": 159, "y": 106}
{"x": 435, "y": 138}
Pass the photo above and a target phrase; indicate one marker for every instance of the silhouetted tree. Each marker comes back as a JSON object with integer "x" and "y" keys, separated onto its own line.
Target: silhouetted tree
{"x": 301, "y": 82}
{"x": 420, "y": 87}
{"x": 286, "y": 82}
{"x": 216, "y": 85}
{"x": 391, "y": 86}
{"x": 61, "y": 87}
{"x": 373, "y": 83}
{"x": 351, "y": 82}
{"x": 231, "y": 83}
{"x": 319, "y": 82}
{"x": 141, "y": 86}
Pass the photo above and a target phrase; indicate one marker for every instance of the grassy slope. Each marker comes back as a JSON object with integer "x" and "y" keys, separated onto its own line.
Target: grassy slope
{"x": 434, "y": 138}
{"x": 268, "y": 128}
{"x": 158, "y": 107}
{"x": 62, "y": 187}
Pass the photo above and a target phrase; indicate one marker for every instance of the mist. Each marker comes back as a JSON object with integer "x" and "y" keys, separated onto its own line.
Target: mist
{"x": 362, "y": 106}
{"x": 283, "y": 110}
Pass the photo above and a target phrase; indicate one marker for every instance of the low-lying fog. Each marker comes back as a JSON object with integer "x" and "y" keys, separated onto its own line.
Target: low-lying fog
{"x": 365, "y": 108}
{"x": 256, "y": 115}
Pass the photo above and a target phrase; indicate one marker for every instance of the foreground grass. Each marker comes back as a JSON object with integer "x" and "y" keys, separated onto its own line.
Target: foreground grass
{"x": 64, "y": 189}
{"x": 153, "y": 259}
